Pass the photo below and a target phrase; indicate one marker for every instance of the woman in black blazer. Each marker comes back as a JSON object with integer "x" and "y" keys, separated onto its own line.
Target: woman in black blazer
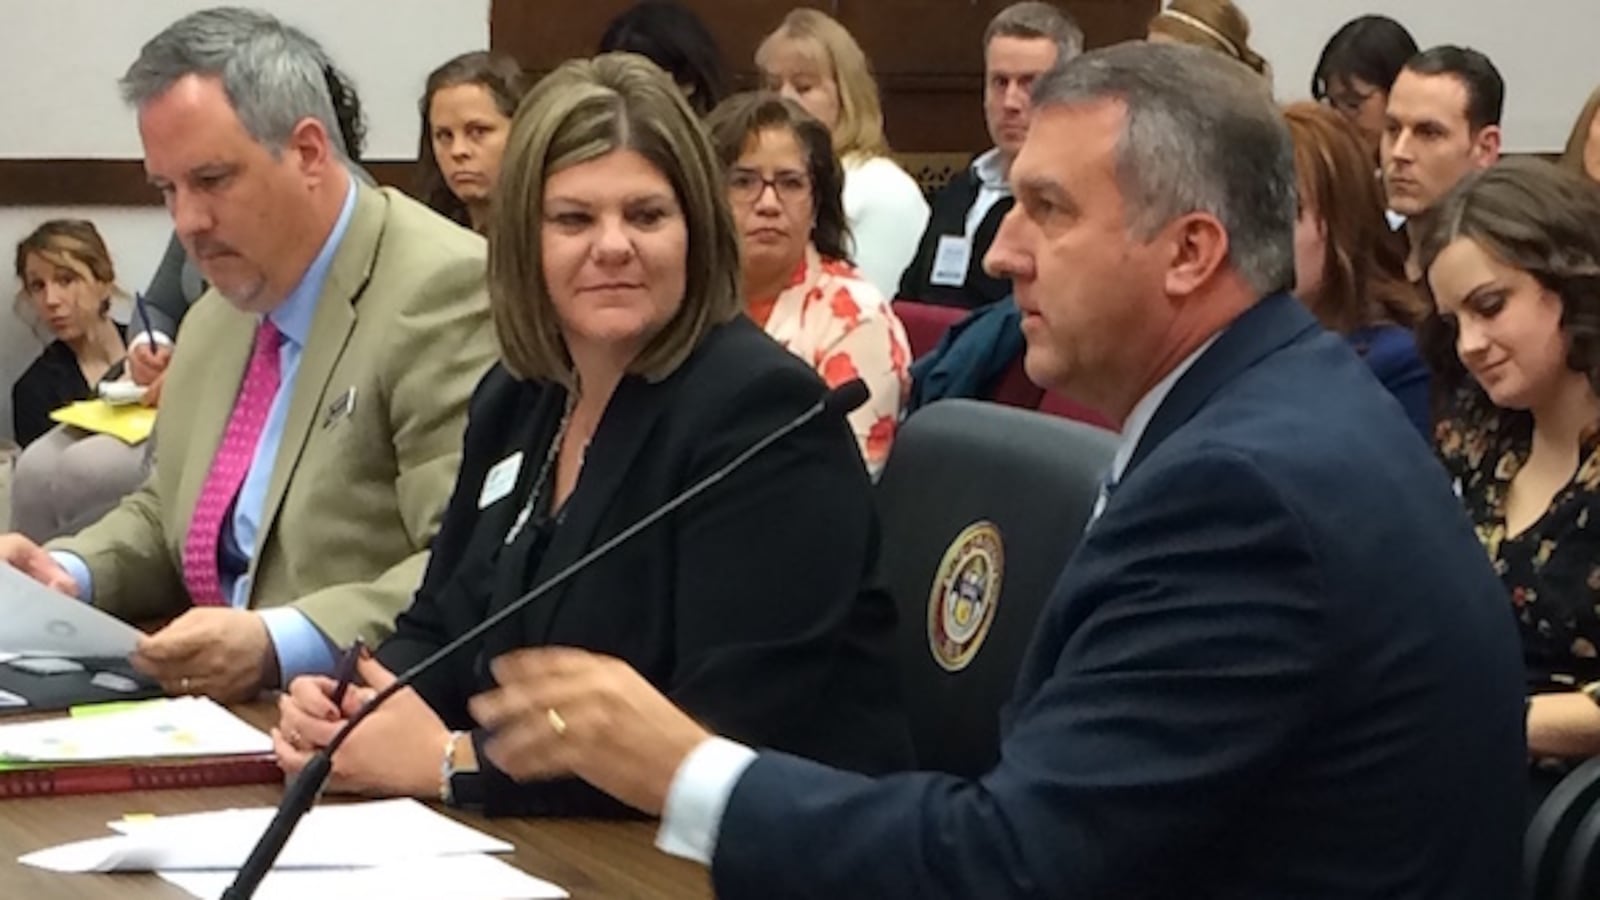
{"x": 629, "y": 373}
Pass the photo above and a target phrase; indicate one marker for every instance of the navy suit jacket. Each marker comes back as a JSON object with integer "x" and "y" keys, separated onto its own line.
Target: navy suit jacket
{"x": 1279, "y": 665}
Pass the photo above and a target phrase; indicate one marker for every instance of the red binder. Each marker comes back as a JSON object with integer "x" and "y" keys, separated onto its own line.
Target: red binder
{"x": 106, "y": 778}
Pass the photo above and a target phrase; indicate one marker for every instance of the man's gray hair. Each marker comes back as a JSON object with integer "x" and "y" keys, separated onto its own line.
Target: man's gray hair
{"x": 1202, "y": 135}
{"x": 1033, "y": 19}
{"x": 274, "y": 74}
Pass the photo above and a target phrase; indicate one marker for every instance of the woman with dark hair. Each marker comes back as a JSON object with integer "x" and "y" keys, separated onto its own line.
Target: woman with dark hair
{"x": 1514, "y": 264}
{"x": 675, "y": 39}
{"x": 466, "y": 111}
{"x": 1349, "y": 266}
{"x": 1357, "y": 68}
{"x": 784, "y": 186}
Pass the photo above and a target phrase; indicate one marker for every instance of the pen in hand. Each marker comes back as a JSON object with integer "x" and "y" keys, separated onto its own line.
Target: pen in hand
{"x": 347, "y": 672}
{"x": 144, "y": 319}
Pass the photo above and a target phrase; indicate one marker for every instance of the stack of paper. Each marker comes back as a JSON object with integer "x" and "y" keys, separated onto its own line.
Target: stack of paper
{"x": 177, "y": 728}
{"x": 391, "y": 848}
{"x": 470, "y": 877}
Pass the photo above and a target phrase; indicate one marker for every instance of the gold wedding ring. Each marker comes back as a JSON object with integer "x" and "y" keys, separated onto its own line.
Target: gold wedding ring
{"x": 557, "y": 724}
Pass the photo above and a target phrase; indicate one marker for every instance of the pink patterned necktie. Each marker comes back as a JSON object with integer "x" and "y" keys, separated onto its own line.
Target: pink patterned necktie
{"x": 202, "y": 573}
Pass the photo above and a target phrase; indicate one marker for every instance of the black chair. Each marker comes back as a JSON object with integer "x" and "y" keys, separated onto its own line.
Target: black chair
{"x": 1580, "y": 869}
{"x": 982, "y": 505}
{"x": 1552, "y": 836}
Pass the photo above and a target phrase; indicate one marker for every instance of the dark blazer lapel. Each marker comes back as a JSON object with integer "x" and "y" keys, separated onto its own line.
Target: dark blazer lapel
{"x": 530, "y": 427}
{"x": 331, "y": 327}
{"x": 628, "y": 421}
{"x": 1269, "y": 325}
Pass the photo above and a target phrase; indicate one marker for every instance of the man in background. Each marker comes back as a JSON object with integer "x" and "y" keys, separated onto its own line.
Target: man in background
{"x": 1442, "y": 124}
{"x": 1022, "y": 42}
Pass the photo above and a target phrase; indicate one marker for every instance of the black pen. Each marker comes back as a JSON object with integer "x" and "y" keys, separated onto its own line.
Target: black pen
{"x": 347, "y": 671}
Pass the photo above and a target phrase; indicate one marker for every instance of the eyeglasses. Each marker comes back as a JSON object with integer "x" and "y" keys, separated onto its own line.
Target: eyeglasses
{"x": 747, "y": 185}
{"x": 1348, "y": 102}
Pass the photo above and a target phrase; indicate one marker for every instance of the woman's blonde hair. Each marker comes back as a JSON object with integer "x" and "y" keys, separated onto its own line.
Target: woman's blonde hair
{"x": 859, "y": 131}
{"x": 582, "y": 111}
{"x": 73, "y": 244}
{"x": 1216, "y": 24}
{"x": 1578, "y": 141}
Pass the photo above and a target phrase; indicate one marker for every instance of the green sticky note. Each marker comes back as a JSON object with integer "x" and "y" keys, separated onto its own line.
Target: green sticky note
{"x": 115, "y": 706}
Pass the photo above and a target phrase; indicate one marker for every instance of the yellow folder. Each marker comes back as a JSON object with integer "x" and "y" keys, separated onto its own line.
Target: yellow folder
{"x": 130, "y": 424}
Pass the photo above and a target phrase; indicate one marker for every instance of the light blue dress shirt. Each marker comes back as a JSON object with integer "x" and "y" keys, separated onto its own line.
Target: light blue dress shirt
{"x": 302, "y": 648}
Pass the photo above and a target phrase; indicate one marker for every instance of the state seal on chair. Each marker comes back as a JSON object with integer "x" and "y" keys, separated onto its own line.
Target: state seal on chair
{"x": 966, "y": 590}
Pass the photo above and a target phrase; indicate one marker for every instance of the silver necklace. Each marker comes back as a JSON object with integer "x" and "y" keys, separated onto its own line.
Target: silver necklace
{"x": 544, "y": 471}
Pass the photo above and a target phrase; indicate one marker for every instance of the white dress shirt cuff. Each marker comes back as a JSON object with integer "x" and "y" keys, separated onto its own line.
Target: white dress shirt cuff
{"x": 699, "y": 796}
{"x": 79, "y": 570}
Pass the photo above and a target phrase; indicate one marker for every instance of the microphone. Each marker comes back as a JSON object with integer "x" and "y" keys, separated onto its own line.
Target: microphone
{"x": 302, "y": 792}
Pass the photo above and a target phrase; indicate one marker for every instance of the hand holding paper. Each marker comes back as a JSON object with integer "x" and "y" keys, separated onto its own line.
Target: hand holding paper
{"x": 32, "y": 560}
{"x": 217, "y": 651}
{"x": 41, "y": 622}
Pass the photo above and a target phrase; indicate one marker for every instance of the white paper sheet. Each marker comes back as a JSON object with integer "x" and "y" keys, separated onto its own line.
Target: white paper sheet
{"x": 41, "y": 622}
{"x": 337, "y": 836}
{"x": 178, "y": 728}
{"x": 469, "y": 877}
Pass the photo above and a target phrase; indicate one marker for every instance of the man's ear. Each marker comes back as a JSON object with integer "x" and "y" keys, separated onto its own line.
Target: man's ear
{"x": 1199, "y": 245}
{"x": 1486, "y": 146}
{"x": 310, "y": 147}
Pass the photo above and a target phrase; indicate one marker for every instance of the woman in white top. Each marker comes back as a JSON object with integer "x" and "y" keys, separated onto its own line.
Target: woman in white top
{"x": 814, "y": 61}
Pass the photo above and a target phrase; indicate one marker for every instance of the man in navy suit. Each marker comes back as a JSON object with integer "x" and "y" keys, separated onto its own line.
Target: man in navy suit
{"x": 1279, "y": 665}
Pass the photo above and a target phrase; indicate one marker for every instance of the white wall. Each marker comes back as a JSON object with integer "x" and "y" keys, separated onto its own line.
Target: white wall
{"x": 60, "y": 60}
{"x": 69, "y": 54}
{"x": 1543, "y": 48}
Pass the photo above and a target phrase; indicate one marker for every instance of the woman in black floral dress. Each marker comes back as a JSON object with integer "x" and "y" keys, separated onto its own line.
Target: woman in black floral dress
{"x": 1514, "y": 265}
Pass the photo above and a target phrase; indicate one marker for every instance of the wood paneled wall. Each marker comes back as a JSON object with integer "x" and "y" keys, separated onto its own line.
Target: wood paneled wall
{"x": 926, "y": 53}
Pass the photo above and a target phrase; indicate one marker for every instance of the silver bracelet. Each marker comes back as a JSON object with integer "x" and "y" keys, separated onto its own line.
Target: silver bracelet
{"x": 447, "y": 768}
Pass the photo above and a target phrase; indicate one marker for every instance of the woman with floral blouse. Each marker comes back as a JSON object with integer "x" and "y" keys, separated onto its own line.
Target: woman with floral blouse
{"x": 1514, "y": 265}
{"x": 799, "y": 284}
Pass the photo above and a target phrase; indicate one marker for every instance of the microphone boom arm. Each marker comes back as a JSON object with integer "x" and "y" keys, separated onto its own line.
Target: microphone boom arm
{"x": 302, "y": 792}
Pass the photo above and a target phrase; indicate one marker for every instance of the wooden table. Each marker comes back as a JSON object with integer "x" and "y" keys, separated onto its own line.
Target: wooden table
{"x": 591, "y": 859}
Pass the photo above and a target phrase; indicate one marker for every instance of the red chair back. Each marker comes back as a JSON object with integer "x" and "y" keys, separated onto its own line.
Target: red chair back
{"x": 926, "y": 323}
{"x": 1014, "y": 389}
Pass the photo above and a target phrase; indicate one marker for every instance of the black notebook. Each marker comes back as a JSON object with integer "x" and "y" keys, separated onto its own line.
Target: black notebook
{"x": 99, "y": 680}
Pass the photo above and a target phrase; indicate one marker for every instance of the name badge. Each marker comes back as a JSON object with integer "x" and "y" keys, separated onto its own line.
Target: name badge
{"x": 500, "y": 480}
{"x": 951, "y": 260}
{"x": 340, "y": 408}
